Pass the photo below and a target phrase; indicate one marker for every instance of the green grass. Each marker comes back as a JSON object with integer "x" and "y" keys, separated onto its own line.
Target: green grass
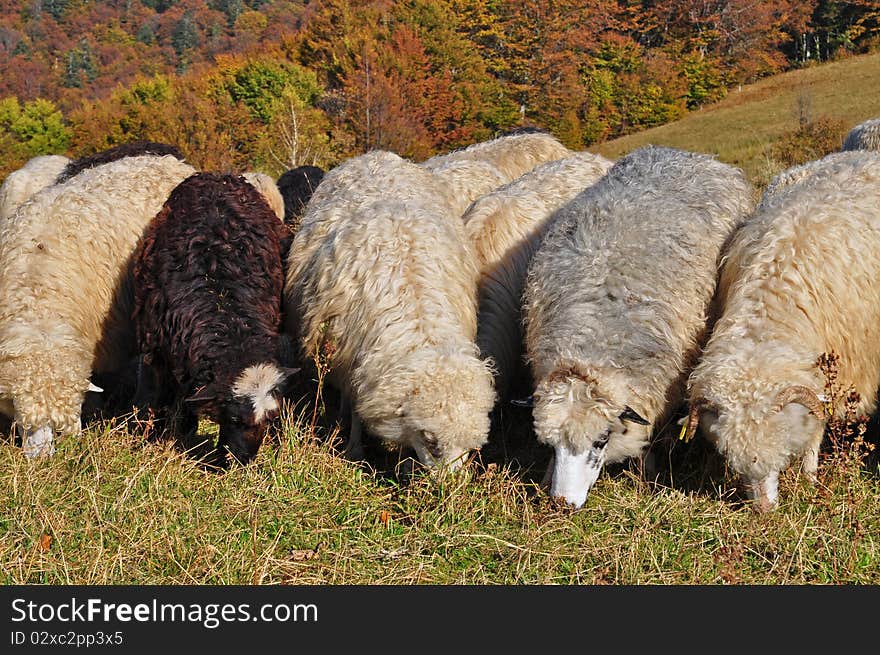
{"x": 741, "y": 128}
{"x": 109, "y": 508}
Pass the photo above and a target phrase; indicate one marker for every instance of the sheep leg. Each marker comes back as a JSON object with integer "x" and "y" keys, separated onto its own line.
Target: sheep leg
{"x": 810, "y": 462}
{"x": 548, "y": 474}
{"x": 354, "y": 449}
{"x": 648, "y": 462}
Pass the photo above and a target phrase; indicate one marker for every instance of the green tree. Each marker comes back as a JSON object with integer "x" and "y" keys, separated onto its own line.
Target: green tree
{"x": 81, "y": 66}
{"x": 35, "y": 128}
{"x": 184, "y": 39}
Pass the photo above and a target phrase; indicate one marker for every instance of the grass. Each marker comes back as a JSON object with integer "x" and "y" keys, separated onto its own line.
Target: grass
{"x": 742, "y": 128}
{"x": 111, "y": 508}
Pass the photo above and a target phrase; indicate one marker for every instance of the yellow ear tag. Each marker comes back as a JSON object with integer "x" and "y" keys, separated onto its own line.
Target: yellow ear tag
{"x": 682, "y": 435}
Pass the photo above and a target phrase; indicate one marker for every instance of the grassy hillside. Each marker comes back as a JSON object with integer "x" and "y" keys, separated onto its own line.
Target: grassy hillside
{"x": 741, "y": 128}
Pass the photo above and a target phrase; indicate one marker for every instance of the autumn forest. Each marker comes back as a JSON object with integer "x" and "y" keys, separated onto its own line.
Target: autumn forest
{"x": 271, "y": 84}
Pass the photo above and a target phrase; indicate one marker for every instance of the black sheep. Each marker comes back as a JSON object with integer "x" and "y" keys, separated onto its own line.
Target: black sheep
{"x": 207, "y": 283}
{"x": 133, "y": 149}
{"x": 296, "y": 186}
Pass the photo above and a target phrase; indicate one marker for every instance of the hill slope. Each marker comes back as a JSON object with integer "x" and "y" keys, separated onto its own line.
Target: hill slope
{"x": 741, "y": 128}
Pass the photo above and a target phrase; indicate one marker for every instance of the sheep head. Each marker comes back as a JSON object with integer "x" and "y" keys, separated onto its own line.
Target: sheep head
{"x": 581, "y": 419}
{"x": 759, "y": 439}
{"x": 245, "y": 409}
{"x": 445, "y": 413}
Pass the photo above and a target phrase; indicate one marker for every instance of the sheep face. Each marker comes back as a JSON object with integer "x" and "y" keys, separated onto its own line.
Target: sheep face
{"x": 445, "y": 413}
{"x": 586, "y": 427}
{"x": 49, "y": 410}
{"x": 759, "y": 439}
{"x": 245, "y": 413}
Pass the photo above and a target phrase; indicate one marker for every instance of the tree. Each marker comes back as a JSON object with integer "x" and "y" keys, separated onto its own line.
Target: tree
{"x": 35, "y": 128}
{"x": 81, "y": 66}
{"x": 185, "y": 38}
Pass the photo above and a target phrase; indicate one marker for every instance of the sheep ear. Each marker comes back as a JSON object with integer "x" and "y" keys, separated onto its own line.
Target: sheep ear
{"x": 289, "y": 372}
{"x": 201, "y": 396}
{"x": 94, "y": 387}
{"x": 287, "y": 382}
{"x": 629, "y": 414}
{"x": 528, "y": 401}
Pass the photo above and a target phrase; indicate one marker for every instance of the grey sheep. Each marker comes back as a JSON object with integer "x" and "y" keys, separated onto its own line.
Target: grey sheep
{"x": 617, "y": 302}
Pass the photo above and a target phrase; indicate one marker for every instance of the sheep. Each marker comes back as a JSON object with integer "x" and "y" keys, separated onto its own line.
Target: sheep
{"x": 268, "y": 190}
{"x": 864, "y": 136}
{"x": 801, "y": 281}
{"x": 511, "y": 155}
{"x": 208, "y": 332}
{"x": 297, "y": 186}
{"x": 65, "y": 289}
{"x": 382, "y": 271}
{"x": 132, "y": 149}
{"x": 506, "y": 227}
{"x": 467, "y": 180}
{"x": 616, "y": 305}
{"x": 36, "y": 174}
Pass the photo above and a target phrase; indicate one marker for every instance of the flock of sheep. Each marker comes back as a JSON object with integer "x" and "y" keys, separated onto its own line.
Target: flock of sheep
{"x": 616, "y": 290}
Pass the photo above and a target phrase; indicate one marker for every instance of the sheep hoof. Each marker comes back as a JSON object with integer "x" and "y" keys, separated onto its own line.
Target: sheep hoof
{"x": 353, "y": 452}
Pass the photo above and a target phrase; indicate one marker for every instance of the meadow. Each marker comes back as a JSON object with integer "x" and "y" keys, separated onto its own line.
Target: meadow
{"x": 743, "y": 128}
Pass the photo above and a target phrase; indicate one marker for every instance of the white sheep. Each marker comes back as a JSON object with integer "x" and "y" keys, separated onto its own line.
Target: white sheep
{"x": 382, "y": 271}
{"x": 800, "y": 281}
{"x": 36, "y": 174}
{"x": 507, "y": 158}
{"x": 616, "y": 305}
{"x": 65, "y": 292}
{"x": 467, "y": 180}
{"x": 864, "y": 136}
{"x": 506, "y": 227}
{"x": 267, "y": 187}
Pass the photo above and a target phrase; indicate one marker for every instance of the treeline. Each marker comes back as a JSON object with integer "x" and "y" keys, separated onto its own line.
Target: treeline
{"x": 270, "y": 84}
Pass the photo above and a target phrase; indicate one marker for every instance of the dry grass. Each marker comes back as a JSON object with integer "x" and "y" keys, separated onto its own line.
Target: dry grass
{"x": 742, "y": 128}
{"x": 110, "y": 508}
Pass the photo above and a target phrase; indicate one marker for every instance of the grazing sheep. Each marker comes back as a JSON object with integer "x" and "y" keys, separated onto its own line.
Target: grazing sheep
{"x": 616, "y": 305}
{"x": 297, "y": 186}
{"x": 66, "y": 305}
{"x": 208, "y": 331}
{"x": 506, "y": 227}
{"x": 467, "y": 180}
{"x": 36, "y": 174}
{"x": 268, "y": 189}
{"x": 801, "y": 281}
{"x": 864, "y": 136}
{"x": 512, "y": 154}
{"x": 382, "y": 271}
{"x": 798, "y": 173}
{"x": 133, "y": 149}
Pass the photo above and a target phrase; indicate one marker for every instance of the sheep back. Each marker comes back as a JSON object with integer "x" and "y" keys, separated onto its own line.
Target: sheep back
{"x": 36, "y": 174}
{"x": 505, "y": 227}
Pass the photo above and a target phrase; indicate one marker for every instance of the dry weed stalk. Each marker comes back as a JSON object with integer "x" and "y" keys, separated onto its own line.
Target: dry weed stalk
{"x": 323, "y": 360}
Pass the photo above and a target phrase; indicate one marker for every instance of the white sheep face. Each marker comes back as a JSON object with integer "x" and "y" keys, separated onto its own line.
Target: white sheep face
{"x": 761, "y": 441}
